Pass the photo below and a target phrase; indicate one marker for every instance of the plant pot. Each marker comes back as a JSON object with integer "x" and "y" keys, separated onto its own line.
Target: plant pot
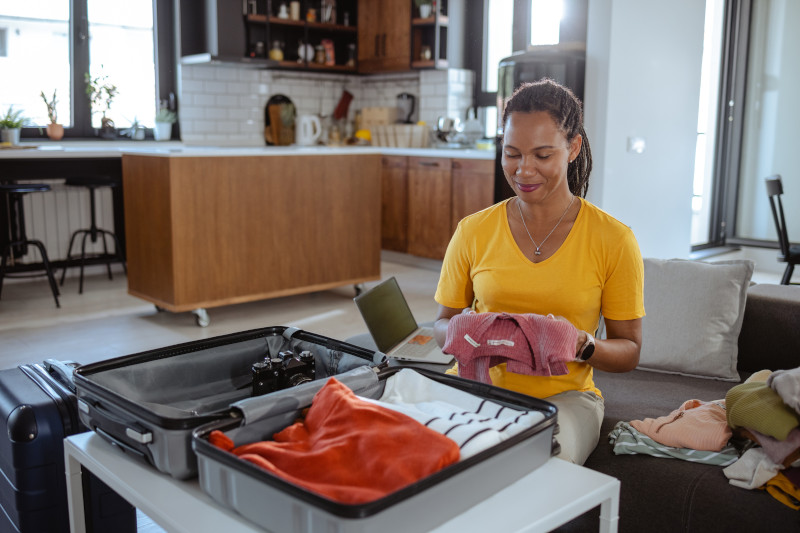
{"x": 10, "y": 135}
{"x": 55, "y": 131}
{"x": 425, "y": 11}
{"x": 162, "y": 131}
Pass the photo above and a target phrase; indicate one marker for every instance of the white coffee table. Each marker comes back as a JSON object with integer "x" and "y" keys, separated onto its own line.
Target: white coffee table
{"x": 546, "y": 498}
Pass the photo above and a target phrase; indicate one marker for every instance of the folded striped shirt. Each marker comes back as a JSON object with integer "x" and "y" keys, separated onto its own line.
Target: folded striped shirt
{"x": 474, "y": 423}
{"x": 626, "y": 440}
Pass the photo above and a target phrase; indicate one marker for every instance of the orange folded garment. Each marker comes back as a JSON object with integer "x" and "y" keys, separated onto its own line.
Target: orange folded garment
{"x": 349, "y": 450}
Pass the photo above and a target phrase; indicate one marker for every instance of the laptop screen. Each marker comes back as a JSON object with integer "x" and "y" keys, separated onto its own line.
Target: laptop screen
{"x": 386, "y": 313}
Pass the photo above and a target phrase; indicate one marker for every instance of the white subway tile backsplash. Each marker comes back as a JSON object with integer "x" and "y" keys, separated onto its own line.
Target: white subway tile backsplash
{"x": 217, "y": 113}
{"x": 227, "y": 126}
{"x": 192, "y": 86}
{"x": 205, "y": 100}
{"x": 223, "y": 105}
{"x": 189, "y": 112}
{"x": 205, "y": 72}
{"x": 217, "y": 87}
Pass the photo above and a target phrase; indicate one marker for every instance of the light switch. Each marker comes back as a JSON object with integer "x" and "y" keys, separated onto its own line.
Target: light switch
{"x": 636, "y": 145}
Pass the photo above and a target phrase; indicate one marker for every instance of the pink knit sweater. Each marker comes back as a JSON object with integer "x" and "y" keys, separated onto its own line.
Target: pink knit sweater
{"x": 530, "y": 344}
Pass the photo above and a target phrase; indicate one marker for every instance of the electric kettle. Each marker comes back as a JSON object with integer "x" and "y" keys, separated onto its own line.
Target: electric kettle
{"x": 406, "y": 103}
{"x": 308, "y": 130}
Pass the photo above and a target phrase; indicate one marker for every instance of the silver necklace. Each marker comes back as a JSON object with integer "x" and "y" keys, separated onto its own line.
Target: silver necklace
{"x": 538, "y": 246}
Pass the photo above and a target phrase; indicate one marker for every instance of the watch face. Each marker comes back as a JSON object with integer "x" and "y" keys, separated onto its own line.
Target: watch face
{"x": 588, "y": 351}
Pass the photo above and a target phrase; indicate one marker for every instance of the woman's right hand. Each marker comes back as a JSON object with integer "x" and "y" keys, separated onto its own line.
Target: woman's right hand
{"x": 443, "y": 320}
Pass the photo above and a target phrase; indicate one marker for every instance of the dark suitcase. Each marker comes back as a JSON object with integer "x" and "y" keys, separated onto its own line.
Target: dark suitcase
{"x": 149, "y": 403}
{"x": 39, "y": 410}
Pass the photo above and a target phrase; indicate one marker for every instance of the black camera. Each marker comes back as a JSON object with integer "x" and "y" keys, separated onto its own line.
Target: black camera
{"x": 281, "y": 372}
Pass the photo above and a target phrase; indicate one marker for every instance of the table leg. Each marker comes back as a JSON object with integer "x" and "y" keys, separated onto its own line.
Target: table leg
{"x": 609, "y": 514}
{"x": 77, "y": 518}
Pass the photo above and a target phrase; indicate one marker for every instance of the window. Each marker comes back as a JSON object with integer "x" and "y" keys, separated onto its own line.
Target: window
{"x": 51, "y": 45}
{"x": 3, "y": 42}
{"x": 508, "y": 26}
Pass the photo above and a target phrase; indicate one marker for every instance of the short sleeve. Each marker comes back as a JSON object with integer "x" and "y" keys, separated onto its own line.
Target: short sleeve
{"x": 623, "y": 292}
{"x": 455, "y": 283}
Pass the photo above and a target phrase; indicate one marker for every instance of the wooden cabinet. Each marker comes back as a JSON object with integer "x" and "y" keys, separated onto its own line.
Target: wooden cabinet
{"x": 424, "y": 198}
{"x": 210, "y": 231}
{"x": 472, "y": 187}
{"x": 429, "y": 211}
{"x": 394, "y": 203}
{"x": 384, "y": 35}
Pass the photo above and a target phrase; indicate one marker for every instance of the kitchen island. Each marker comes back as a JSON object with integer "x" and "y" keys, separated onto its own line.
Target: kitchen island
{"x": 211, "y": 228}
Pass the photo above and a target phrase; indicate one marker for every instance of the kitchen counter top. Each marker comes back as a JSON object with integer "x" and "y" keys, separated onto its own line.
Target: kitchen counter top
{"x": 106, "y": 149}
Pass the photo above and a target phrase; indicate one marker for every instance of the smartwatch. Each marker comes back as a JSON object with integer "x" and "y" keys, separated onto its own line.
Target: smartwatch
{"x": 587, "y": 350}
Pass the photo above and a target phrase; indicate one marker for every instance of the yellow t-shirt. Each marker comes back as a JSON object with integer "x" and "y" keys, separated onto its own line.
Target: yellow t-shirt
{"x": 598, "y": 269}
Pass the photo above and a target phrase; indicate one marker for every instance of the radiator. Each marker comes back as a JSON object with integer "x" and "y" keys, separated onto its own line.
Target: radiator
{"x": 52, "y": 216}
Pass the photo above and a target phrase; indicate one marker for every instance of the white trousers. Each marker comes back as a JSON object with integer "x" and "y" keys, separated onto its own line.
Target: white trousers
{"x": 580, "y": 415}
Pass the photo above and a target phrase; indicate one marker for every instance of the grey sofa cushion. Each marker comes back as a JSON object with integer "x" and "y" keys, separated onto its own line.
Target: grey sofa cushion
{"x": 694, "y": 315}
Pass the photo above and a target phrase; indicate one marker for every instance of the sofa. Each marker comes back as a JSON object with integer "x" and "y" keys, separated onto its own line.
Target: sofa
{"x": 707, "y": 329}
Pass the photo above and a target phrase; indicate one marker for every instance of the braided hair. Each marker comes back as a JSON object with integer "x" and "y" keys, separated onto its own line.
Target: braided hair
{"x": 567, "y": 112}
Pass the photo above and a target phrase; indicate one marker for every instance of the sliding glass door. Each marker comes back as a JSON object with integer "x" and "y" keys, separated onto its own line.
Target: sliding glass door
{"x": 770, "y": 117}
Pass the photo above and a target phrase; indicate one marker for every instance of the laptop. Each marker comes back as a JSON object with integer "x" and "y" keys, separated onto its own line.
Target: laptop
{"x": 393, "y": 327}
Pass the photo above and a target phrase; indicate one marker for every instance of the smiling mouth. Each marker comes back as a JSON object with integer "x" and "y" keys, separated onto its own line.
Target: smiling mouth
{"x": 527, "y": 187}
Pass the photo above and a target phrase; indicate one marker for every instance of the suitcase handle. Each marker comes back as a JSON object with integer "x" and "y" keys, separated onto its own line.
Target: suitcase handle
{"x": 63, "y": 371}
{"x": 138, "y": 434}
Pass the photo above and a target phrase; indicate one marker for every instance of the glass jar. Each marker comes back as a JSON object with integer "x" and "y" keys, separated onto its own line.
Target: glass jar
{"x": 319, "y": 54}
{"x": 276, "y": 52}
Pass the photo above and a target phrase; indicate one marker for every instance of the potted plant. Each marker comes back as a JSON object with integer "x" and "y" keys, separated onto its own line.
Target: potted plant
{"x": 101, "y": 93}
{"x": 55, "y": 131}
{"x": 165, "y": 118}
{"x": 10, "y": 125}
{"x": 425, "y": 8}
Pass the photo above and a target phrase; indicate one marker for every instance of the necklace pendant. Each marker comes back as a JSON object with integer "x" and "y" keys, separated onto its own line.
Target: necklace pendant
{"x": 537, "y": 252}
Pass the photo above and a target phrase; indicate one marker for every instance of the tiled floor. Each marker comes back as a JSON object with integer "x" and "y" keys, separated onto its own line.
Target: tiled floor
{"x": 106, "y": 322}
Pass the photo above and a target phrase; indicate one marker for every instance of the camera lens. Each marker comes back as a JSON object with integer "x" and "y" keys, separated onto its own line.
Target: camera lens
{"x": 299, "y": 379}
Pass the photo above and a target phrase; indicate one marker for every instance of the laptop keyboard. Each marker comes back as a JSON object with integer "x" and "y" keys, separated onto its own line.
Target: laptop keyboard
{"x": 413, "y": 349}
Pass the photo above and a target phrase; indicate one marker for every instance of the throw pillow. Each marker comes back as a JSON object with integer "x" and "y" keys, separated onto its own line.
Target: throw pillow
{"x": 694, "y": 315}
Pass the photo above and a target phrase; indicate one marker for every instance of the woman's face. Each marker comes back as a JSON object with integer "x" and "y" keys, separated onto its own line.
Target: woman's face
{"x": 535, "y": 156}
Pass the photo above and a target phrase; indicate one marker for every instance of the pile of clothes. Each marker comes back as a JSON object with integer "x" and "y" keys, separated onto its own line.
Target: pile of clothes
{"x": 754, "y": 433}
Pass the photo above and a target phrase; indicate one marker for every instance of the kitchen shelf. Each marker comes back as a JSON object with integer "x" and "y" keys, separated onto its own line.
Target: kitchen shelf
{"x": 267, "y": 28}
{"x": 430, "y": 21}
{"x": 430, "y": 63}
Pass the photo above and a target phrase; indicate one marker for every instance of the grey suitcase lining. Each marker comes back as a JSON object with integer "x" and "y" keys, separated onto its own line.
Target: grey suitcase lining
{"x": 207, "y": 381}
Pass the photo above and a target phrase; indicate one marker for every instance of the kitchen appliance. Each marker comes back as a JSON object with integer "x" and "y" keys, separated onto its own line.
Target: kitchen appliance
{"x": 564, "y": 63}
{"x": 406, "y": 105}
{"x": 448, "y": 129}
{"x": 279, "y": 118}
{"x": 308, "y": 130}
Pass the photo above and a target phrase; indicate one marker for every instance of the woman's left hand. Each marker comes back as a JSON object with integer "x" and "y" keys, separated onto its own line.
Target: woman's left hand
{"x": 582, "y": 335}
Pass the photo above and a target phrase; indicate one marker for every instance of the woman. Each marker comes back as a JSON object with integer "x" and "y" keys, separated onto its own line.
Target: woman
{"x": 550, "y": 252}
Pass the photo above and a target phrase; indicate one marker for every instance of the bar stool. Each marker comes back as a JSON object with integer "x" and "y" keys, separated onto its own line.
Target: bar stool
{"x": 13, "y": 193}
{"x": 93, "y": 232}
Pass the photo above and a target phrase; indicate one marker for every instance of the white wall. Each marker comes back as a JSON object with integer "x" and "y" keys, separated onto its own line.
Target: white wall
{"x": 643, "y": 80}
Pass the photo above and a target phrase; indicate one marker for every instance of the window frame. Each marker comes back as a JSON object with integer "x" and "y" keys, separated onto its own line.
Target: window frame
{"x": 165, "y": 69}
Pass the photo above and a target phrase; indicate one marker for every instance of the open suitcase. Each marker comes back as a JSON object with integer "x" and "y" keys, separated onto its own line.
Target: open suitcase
{"x": 149, "y": 403}
{"x": 278, "y": 505}
{"x": 38, "y": 407}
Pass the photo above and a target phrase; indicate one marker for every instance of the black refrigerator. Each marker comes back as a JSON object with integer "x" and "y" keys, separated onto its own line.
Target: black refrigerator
{"x": 565, "y": 64}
